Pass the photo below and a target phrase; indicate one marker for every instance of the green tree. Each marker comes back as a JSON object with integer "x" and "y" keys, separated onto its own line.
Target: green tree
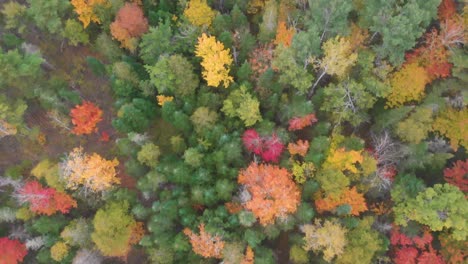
{"x": 174, "y": 75}
{"x": 329, "y": 16}
{"x": 416, "y": 127}
{"x": 203, "y": 118}
{"x": 113, "y": 228}
{"x": 13, "y": 15}
{"x": 47, "y": 14}
{"x": 291, "y": 72}
{"x": 363, "y": 243}
{"x": 348, "y": 101}
{"x": 439, "y": 207}
{"x": 149, "y": 155}
{"x": 398, "y": 23}
{"x": 155, "y": 42}
{"x": 240, "y": 103}
{"x": 75, "y": 33}
{"x": 135, "y": 116}
{"x": 269, "y": 21}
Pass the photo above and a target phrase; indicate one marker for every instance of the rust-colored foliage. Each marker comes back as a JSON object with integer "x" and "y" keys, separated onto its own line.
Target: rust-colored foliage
{"x": 298, "y": 123}
{"x": 350, "y": 197}
{"x": 284, "y": 35}
{"x": 380, "y": 208}
{"x": 452, "y": 31}
{"x": 130, "y": 23}
{"x": 432, "y": 56}
{"x": 45, "y": 201}
{"x": 300, "y": 148}
{"x": 260, "y": 59}
{"x": 138, "y": 232}
{"x": 11, "y": 251}
{"x": 249, "y": 257}
{"x": 357, "y": 37}
{"x": 233, "y": 208}
{"x": 406, "y": 255}
{"x": 447, "y": 9}
{"x": 274, "y": 193}
{"x": 204, "y": 244}
{"x": 85, "y": 118}
{"x": 453, "y": 251}
{"x": 458, "y": 175}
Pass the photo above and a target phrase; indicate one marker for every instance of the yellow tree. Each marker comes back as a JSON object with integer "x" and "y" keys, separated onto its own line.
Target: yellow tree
{"x": 338, "y": 59}
{"x": 454, "y": 125}
{"x": 205, "y": 244}
{"x": 90, "y": 171}
{"x": 7, "y": 129}
{"x": 215, "y": 61}
{"x": 329, "y": 238}
{"x": 199, "y": 13}
{"x": 407, "y": 84}
{"x": 85, "y": 10}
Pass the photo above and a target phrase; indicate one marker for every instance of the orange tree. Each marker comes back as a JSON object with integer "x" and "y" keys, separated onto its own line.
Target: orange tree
{"x": 85, "y": 118}
{"x": 273, "y": 191}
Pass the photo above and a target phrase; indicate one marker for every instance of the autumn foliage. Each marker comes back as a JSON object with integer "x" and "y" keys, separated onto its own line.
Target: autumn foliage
{"x": 130, "y": 23}
{"x": 91, "y": 171}
{"x": 408, "y": 85}
{"x": 299, "y": 148}
{"x": 284, "y": 35}
{"x": 298, "y": 123}
{"x": 348, "y": 197}
{"x": 85, "y": 117}
{"x": 216, "y": 61}
{"x": 85, "y": 10}
{"x": 11, "y": 251}
{"x": 205, "y": 244}
{"x": 269, "y": 148}
{"x": 274, "y": 193}
{"x": 458, "y": 175}
{"x": 45, "y": 201}
{"x": 199, "y": 13}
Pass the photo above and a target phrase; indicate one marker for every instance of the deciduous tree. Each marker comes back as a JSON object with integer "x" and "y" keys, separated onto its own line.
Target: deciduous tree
{"x": 298, "y": 123}
{"x": 328, "y": 237}
{"x": 199, "y": 13}
{"x": 458, "y": 175}
{"x": 85, "y": 117}
{"x": 240, "y": 103}
{"x": 453, "y": 124}
{"x": 86, "y": 10}
{"x": 215, "y": 61}
{"x": 92, "y": 172}
{"x": 300, "y": 148}
{"x": 408, "y": 85}
{"x": 205, "y": 244}
{"x": 348, "y": 197}
{"x": 130, "y": 23}
{"x": 273, "y": 192}
{"x": 46, "y": 201}
{"x": 11, "y": 251}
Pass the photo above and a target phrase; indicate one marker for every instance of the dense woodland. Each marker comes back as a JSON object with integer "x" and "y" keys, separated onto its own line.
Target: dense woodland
{"x": 233, "y": 131}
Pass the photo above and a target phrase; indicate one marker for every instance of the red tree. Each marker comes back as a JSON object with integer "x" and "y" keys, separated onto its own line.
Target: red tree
{"x": 85, "y": 118}
{"x": 11, "y": 251}
{"x": 447, "y": 9}
{"x": 458, "y": 175}
{"x": 45, "y": 200}
{"x": 269, "y": 148}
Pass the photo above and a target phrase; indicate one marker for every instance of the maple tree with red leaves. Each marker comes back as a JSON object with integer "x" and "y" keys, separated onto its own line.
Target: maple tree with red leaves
{"x": 273, "y": 192}
{"x": 11, "y": 251}
{"x": 298, "y": 123}
{"x": 269, "y": 148}
{"x": 447, "y": 9}
{"x": 205, "y": 244}
{"x": 458, "y": 175}
{"x": 45, "y": 201}
{"x": 406, "y": 255}
{"x": 85, "y": 117}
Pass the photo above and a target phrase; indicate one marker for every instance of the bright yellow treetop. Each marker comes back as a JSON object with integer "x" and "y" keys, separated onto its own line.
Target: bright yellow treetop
{"x": 199, "y": 13}
{"x": 85, "y": 10}
{"x": 91, "y": 171}
{"x": 215, "y": 61}
{"x": 408, "y": 84}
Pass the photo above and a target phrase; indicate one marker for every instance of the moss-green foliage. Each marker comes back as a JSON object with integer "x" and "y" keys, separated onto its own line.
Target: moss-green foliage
{"x": 439, "y": 207}
{"x": 240, "y": 103}
{"x": 149, "y": 155}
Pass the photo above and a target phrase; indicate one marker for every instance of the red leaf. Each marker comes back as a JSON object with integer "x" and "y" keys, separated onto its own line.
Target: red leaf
{"x": 11, "y": 251}
{"x": 298, "y": 123}
{"x": 458, "y": 175}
